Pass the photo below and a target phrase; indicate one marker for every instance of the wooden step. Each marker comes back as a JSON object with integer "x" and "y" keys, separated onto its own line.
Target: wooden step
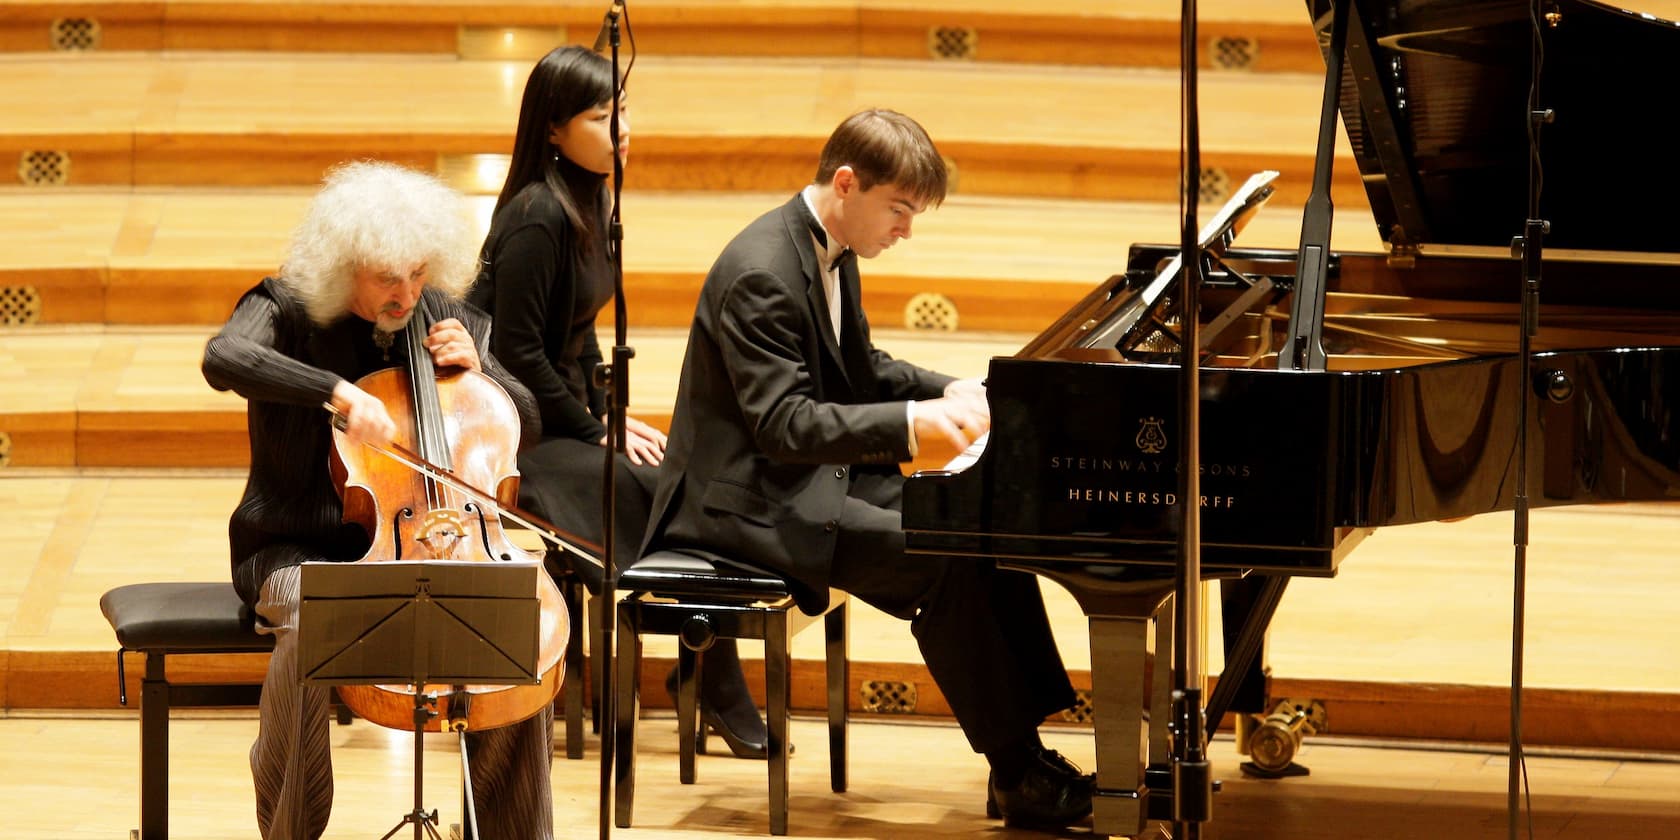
{"x": 135, "y": 397}
{"x": 696, "y": 123}
{"x": 169, "y": 256}
{"x": 1253, "y": 36}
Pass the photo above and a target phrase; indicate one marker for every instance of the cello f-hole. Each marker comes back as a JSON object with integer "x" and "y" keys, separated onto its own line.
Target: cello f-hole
{"x": 483, "y": 529}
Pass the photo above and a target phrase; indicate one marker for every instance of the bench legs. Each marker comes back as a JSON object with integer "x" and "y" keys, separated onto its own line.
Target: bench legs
{"x": 691, "y": 733}
{"x": 572, "y": 592}
{"x": 157, "y": 696}
{"x": 583, "y": 614}
{"x": 839, "y": 679}
{"x": 776, "y": 627}
{"x": 154, "y": 751}
{"x": 778, "y": 683}
{"x": 628, "y": 663}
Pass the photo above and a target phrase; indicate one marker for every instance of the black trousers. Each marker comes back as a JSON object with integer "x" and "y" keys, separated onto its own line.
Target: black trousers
{"x": 982, "y": 631}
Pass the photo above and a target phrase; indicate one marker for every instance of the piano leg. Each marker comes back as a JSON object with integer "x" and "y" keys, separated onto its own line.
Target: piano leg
{"x": 1130, "y": 696}
{"x": 1121, "y": 649}
{"x": 1131, "y": 685}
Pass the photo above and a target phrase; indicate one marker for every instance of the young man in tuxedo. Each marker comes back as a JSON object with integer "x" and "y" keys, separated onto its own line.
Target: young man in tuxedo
{"x": 786, "y": 439}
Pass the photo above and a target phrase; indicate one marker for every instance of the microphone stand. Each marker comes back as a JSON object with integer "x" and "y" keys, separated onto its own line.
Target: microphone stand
{"x": 1526, "y": 248}
{"x": 615, "y": 378}
{"x": 1192, "y": 775}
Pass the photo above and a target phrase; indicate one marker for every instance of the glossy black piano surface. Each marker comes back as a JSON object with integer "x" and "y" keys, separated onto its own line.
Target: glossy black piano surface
{"x": 1292, "y": 462}
{"x": 1416, "y": 417}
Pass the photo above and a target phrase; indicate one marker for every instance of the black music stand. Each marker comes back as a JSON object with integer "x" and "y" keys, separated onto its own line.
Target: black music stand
{"x": 414, "y": 622}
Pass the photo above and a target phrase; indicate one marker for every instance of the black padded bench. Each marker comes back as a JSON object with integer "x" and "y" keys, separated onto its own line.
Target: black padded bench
{"x": 159, "y": 619}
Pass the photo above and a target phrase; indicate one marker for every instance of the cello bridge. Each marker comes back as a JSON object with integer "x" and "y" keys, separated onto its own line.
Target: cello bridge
{"x": 441, "y": 531}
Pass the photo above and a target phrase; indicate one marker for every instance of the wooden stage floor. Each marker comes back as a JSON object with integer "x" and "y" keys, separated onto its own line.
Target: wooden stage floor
{"x": 907, "y": 781}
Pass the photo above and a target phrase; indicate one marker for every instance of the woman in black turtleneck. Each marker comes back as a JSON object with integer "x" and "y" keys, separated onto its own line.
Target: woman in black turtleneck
{"x": 546, "y": 272}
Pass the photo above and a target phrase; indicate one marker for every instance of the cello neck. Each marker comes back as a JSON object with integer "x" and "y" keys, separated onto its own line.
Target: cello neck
{"x": 429, "y": 432}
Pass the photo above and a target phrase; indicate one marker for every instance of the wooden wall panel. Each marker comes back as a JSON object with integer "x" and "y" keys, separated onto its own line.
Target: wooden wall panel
{"x": 170, "y": 295}
{"x": 139, "y": 438}
{"x": 26, "y": 26}
{"x": 68, "y": 295}
{"x": 38, "y": 438}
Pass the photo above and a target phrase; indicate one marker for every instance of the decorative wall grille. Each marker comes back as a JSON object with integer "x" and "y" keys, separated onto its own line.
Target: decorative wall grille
{"x": 930, "y": 311}
{"x": 44, "y": 168}
{"x": 19, "y": 306}
{"x": 1235, "y": 53}
{"x": 1213, "y": 186}
{"x": 959, "y": 43}
{"x": 888, "y": 697}
{"x": 74, "y": 34}
{"x": 1081, "y": 711}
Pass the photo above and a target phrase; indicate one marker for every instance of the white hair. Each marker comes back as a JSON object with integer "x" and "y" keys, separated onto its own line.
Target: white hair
{"x": 377, "y": 215}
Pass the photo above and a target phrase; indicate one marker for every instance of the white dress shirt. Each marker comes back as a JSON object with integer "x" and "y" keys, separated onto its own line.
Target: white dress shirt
{"x": 826, "y": 254}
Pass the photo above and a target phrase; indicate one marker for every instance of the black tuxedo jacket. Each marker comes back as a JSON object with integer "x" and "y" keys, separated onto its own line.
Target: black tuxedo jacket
{"x": 773, "y": 413}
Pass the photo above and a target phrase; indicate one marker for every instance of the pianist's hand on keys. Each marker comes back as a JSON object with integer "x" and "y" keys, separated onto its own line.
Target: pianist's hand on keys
{"x": 959, "y": 416}
{"x": 967, "y": 457}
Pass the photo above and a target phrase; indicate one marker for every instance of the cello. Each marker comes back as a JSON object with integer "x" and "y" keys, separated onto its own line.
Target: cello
{"x": 461, "y": 431}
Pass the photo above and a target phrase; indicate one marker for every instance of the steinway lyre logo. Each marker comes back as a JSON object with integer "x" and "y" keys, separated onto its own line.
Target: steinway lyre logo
{"x": 1151, "y": 439}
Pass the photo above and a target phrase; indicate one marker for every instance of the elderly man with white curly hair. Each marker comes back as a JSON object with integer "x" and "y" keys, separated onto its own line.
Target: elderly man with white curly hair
{"x": 378, "y": 246}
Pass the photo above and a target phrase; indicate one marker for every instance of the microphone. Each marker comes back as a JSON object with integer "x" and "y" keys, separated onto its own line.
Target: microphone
{"x": 607, "y": 22}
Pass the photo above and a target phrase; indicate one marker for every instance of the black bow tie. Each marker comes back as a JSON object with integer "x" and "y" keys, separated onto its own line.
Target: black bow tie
{"x": 821, "y": 236}
{"x": 846, "y": 255}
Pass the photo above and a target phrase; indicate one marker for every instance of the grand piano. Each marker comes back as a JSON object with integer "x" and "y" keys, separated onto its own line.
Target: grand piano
{"x": 1343, "y": 392}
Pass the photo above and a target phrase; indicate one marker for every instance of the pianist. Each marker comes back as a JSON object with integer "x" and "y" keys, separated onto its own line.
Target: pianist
{"x": 785, "y": 443}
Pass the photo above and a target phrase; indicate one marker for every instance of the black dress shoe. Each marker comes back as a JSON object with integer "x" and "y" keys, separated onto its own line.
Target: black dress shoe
{"x": 1052, "y": 794}
{"x": 739, "y": 724}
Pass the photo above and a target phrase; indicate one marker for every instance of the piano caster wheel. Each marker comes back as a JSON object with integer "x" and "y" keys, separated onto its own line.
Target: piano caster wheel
{"x": 1255, "y": 771}
{"x": 1278, "y": 738}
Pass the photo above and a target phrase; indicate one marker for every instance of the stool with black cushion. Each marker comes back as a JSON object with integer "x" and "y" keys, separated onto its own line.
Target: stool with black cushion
{"x": 160, "y": 619}
{"x": 699, "y": 597}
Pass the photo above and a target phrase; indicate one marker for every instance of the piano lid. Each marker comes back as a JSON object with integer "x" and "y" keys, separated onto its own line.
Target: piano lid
{"x": 1434, "y": 97}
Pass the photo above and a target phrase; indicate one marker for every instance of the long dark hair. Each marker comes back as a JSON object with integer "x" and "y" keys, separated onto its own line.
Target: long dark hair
{"x": 565, "y": 83}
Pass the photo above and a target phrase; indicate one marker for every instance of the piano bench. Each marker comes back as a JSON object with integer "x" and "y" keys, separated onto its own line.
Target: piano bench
{"x": 698, "y": 597}
{"x": 160, "y": 619}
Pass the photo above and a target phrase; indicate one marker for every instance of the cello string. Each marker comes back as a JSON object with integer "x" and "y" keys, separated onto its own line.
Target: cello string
{"x": 583, "y": 549}
{"x": 422, "y": 384}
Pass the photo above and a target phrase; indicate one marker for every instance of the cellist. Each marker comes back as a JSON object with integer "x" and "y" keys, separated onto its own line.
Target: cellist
{"x": 378, "y": 245}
